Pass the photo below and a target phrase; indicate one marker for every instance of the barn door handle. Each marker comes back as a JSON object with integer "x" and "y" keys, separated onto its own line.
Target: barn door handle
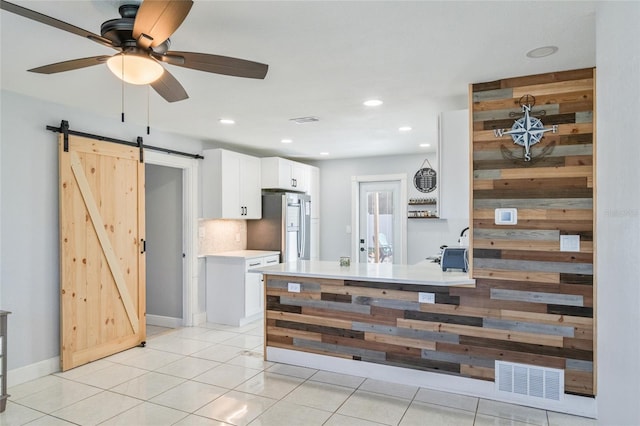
{"x": 143, "y": 244}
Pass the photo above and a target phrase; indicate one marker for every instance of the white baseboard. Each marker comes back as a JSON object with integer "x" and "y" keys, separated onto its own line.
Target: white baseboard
{"x": 161, "y": 321}
{"x": 33, "y": 371}
{"x": 199, "y": 318}
{"x": 572, "y": 404}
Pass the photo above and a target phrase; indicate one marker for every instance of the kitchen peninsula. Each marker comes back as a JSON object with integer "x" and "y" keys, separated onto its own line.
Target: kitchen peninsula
{"x": 323, "y": 315}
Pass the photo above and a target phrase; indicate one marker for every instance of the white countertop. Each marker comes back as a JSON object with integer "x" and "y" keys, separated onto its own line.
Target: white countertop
{"x": 244, "y": 254}
{"x": 426, "y": 272}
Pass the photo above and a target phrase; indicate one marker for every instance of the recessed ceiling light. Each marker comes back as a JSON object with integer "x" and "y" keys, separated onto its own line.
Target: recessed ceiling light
{"x": 286, "y": 140}
{"x": 541, "y": 52}
{"x": 372, "y": 102}
{"x": 324, "y": 153}
{"x": 425, "y": 145}
{"x": 404, "y": 129}
{"x": 227, "y": 121}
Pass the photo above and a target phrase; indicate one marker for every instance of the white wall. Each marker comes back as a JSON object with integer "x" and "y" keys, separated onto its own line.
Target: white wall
{"x": 618, "y": 212}
{"x": 164, "y": 229}
{"x": 29, "y": 279}
{"x": 424, "y": 236}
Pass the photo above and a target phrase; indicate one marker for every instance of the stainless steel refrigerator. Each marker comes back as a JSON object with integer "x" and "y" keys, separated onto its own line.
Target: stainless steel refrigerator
{"x": 285, "y": 226}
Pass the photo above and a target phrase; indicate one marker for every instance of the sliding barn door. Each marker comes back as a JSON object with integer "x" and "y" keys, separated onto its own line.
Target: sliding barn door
{"x": 102, "y": 264}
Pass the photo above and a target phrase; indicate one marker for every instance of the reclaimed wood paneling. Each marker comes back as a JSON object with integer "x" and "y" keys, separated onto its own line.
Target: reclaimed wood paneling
{"x": 523, "y": 263}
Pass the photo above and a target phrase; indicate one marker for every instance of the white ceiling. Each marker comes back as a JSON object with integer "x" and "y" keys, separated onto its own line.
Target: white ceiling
{"x": 325, "y": 58}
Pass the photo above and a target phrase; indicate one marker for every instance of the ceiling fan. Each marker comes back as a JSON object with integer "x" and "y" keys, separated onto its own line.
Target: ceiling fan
{"x": 141, "y": 35}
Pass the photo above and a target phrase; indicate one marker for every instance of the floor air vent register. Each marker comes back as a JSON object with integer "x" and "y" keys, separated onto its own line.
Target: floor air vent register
{"x": 529, "y": 381}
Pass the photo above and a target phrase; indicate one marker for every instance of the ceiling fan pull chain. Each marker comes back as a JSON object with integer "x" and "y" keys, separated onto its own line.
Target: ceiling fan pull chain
{"x": 122, "y": 93}
{"x": 148, "y": 109}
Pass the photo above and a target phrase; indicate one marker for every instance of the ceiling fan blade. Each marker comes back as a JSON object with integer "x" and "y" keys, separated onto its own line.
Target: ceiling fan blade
{"x": 73, "y": 64}
{"x": 158, "y": 19}
{"x": 169, "y": 88}
{"x": 216, "y": 64}
{"x": 56, "y": 23}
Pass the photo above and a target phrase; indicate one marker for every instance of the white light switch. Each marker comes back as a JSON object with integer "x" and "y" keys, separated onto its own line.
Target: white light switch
{"x": 569, "y": 242}
{"x": 426, "y": 297}
{"x": 293, "y": 287}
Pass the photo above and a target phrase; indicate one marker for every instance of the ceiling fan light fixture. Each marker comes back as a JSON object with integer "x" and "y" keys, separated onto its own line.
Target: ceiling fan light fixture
{"x": 137, "y": 69}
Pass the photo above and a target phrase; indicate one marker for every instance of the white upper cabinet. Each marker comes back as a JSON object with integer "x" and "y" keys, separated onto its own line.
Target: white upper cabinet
{"x": 280, "y": 173}
{"x": 230, "y": 185}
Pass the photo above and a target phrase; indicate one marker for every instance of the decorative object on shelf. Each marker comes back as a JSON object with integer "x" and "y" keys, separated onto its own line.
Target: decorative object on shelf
{"x": 422, "y": 214}
{"x": 345, "y": 261}
{"x": 419, "y": 201}
{"x": 527, "y": 130}
{"x": 425, "y": 179}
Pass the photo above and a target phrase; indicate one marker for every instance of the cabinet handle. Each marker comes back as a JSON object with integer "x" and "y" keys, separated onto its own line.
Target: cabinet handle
{"x": 254, "y": 264}
{"x": 272, "y": 261}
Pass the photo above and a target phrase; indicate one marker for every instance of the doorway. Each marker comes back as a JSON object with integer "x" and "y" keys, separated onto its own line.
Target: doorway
{"x": 163, "y": 219}
{"x": 379, "y": 212}
{"x": 187, "y": 288}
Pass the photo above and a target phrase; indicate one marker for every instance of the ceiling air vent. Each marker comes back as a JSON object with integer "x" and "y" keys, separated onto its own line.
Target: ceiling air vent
{"x": 302, "y": 120}
{"x": 530, "y": 381}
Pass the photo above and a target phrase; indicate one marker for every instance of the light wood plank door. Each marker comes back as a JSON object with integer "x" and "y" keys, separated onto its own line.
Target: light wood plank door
{"x": 102, "y": 264}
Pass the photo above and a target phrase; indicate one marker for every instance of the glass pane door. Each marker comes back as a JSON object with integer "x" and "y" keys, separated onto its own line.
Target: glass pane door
{"x": 379, "y": 221}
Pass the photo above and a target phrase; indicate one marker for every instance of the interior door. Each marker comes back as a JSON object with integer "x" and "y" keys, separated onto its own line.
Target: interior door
{"x": 102, "y": 264}
{"x": 380, "y": 236}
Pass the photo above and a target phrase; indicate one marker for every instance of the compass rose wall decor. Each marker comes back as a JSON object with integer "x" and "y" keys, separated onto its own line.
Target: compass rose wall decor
{"x": 527, "y": 130}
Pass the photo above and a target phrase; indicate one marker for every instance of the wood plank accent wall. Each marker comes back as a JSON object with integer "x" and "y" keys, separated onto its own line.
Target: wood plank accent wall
{"x": 520, "y": 269}
{"x": 532, "y": 303}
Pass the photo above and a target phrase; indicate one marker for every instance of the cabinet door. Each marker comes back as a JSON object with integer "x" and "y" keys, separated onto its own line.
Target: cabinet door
{"x": 299, "y": 176}
{"x": 250, "y": 193}
{"x": 280, "y": 173}
{"x": 230, "y": 168}
{"x": 231, "y": 185}
{"x": 253, "y": 289}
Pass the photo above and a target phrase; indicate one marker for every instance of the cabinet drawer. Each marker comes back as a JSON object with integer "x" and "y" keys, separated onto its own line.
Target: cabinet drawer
{"x": 271, "y": 260}
{"x": 253, "y": 263}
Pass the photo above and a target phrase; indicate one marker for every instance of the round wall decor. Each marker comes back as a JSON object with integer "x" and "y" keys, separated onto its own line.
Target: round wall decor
{"x": 425, "y": 179}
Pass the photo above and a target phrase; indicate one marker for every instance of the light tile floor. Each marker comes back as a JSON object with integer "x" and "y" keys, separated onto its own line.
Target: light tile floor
{"x": 215, "y": 375}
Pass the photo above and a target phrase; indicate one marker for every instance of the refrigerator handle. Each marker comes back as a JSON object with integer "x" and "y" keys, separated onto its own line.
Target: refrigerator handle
{"x": 303, "y": 232}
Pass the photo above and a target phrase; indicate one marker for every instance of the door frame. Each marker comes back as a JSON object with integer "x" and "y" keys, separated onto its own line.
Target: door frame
{"x": 189, "y": 168}
{"x": 355, "y": 208}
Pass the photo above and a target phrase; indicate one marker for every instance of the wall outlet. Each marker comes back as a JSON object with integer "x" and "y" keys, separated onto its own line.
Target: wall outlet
{"x": 237, "y": 237}
{"x": 293, "y": 287}
{"x": 426, "y": 297}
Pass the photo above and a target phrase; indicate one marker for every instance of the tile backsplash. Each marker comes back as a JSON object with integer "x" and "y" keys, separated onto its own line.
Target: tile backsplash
{"x": 216, "y": 236}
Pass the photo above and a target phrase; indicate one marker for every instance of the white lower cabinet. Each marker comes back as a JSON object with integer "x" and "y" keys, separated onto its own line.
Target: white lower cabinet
{"x": 234, "y": 295}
